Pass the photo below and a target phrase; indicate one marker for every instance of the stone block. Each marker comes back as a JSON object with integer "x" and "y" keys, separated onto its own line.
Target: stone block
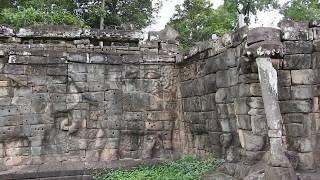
{"x": 284, "y": 93}
{"x": 263, "y": 34}
{"x": 208, "y": 102}
{"x": 316, "y": 60}
{"x": 294, "y": 130}
{"x": 244, "y": 122}
{"x": 222, "y": 79}
{"x": 210, "y": 83}
{"x": 305, "y": 76}
{"x": 249, "y": 78}
{"x": 306, "y": 161}
{"x": 250, "y": 141}
{"x": 241, "y": 106}
{"x": 302, "y": 145}
{"x": 4, "y": 92}
{"x": 192, "y": 104}
{"x": 186, "y": 89}
{"x": 302, "y": 92}
{"x": 259, "y": 125}
{"x": 214, "y": 138}
{"x": 225, "y": 125}
{"x": 222, "y": 111}
{"x": 296, "y": 106}
{"x": 284, "y": 78}
{"x": 256, "y": 102}
{"x": 295, "y": 31}
{"x": 297, "y": 61}
{"x": 295, "y": 118}
{"x": 221, "y": 95}
{"x": 297, "y": 47}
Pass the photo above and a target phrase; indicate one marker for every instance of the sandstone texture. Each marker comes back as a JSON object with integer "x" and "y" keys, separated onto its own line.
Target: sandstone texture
{"x": 63, "y": 98}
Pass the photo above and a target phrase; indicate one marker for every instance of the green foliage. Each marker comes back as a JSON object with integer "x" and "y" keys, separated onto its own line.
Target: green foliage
{"x": 31, "y": 16}
{"x": 32, "y": 12}
{"x": 196, "y": 20}
{"x": 185, "y": 169}
{"x": 250, "y": 6}
{"x": 302, "y": 10}
{"x": 140, "y": 13}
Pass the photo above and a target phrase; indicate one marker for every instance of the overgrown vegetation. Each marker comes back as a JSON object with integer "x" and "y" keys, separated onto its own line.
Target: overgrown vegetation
{"x": 184, "y": 169}
{"x": 302, "y": 10}
{"x": 138, "y": 13}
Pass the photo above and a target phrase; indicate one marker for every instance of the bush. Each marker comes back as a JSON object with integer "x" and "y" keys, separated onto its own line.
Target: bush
{"x": 184, "y": 169}
{"x": 30, "y": 16}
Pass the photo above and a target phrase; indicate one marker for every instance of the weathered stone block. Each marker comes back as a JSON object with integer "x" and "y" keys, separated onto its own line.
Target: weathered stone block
{"x": 259, "y": 125}
{"x": 306, "y": 161}
{"x": 192, "y": 104}
{"x": 222, "y": 79}
{"x": 297, "y": 47}
{"x": 263, "y": 34}
{"x": 210, "y": 83}
{"x": 284, "y": 78}
{"x": 305, "y": 76}
{"x": 284, "y": 93}
{"x": 295, "y": 118}
{"x": 221, "y": 95}
{"x": 302, "y": 92}
{"x": 256, "y": 102}
{"x": 297, "y": 61}
{"x": 250, "y": 141}
{"x": 222, "y": 110}
{"x": 295, "y": 31}
{"x": 294, "y": 130}
{"x": 316, "y": 60}
{"x": 208, "y": 102}
{"x": 295, "y": 106}
{"x": 241, "y": 106}
{"x": 4, "y": 92}
{"x": 244, "y": 122}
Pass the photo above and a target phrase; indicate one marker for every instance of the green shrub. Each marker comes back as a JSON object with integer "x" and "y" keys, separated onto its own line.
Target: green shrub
{"x": 30, "y": 16}
{"x": 184, "y": 169}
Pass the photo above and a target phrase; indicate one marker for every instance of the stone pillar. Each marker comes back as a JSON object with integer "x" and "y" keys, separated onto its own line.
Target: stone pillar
{"x": 278, "y": 166}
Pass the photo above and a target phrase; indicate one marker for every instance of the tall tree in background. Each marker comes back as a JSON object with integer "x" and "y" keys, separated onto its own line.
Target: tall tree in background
{"x": 20, "y": 13}
{"x": 139, "y": 13}
{"x": 196, "y": 20}
{"x": 302, "y": 10}
{"x": 248, "y": 7}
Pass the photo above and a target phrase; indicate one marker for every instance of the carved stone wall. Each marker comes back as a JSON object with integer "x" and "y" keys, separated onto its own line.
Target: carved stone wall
{"x": 63, "y": 98}
{"x": 77, "y": 102}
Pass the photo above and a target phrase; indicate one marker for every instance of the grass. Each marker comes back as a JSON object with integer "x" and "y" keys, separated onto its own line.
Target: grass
{"x": 187, "y": 168}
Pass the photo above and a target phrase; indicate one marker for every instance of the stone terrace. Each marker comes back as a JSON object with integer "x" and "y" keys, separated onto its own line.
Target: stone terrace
{"x": 66, "y": 100}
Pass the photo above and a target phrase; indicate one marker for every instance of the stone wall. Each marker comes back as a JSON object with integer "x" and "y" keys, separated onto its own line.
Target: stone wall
{"x": 221, "y": 102}
{"x": 73, "y": 101}
{"x": 63, "y": 98}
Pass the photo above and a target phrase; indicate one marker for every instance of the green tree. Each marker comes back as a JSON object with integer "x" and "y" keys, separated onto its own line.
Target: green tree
{"x": 247, "y": 7}
{"x": 302, "y": 10}
{"x": 139, "y": 13}
{"x": 196, "y": 20}
{"x": 31, "y": 12}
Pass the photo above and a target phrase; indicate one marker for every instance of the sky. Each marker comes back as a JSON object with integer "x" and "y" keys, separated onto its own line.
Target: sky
{"x": 265, "y": 19}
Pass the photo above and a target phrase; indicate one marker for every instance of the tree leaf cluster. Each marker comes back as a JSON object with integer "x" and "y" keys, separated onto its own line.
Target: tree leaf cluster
{"x": 302, "y": 10}
{"x": 17, "y": 13}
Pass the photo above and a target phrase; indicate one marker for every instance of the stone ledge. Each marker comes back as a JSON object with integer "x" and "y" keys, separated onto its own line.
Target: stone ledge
{"x": 71, "y": 170}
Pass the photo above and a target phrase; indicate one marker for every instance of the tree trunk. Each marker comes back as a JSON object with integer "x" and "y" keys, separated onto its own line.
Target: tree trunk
{"x": 102, "y": 21}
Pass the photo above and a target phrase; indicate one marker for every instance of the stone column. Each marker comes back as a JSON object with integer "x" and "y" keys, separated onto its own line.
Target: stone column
{"x": 278, "y": 166}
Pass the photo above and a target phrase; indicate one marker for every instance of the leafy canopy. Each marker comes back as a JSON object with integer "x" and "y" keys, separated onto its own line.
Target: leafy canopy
{"x": 247, "y": 7}
{"x": 196, "y": 20}
{"x": 19, "y": 13}
{"x": 30, "y": 12}
{"x": 139, "y": 13}
{"x": 302, "y": 10}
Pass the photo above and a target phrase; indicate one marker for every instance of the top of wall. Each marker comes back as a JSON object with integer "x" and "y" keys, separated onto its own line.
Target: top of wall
{"x": 258, "y": 42}
{"x": 127, "y": 45}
